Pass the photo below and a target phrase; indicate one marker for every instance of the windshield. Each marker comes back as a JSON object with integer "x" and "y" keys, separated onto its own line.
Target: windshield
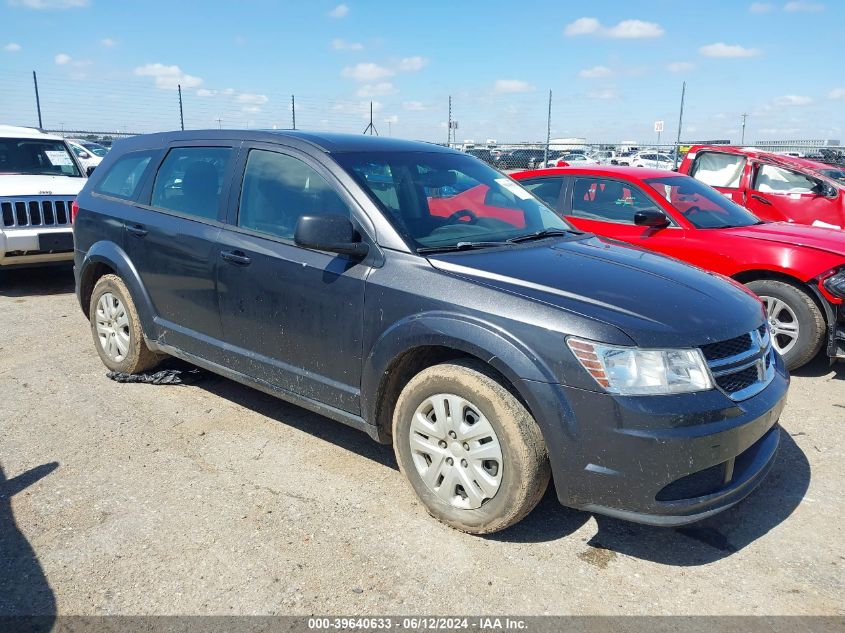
{"x": 702, "y": 206}
{"x": 36, "y": 157}
{"x": 97, "y": 150}
{"x": 445, "y": 200}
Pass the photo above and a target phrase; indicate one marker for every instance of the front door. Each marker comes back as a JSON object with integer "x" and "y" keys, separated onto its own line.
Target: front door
{"x": 777, "y": 193}
{"x": 292, "y": 317}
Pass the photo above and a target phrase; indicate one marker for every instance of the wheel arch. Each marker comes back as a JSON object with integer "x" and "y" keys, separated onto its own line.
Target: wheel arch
{"x": 761, "y": 274}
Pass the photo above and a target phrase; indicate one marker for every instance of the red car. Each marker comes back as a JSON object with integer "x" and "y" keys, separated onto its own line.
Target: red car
{"x": 772, "y": 186}
{"x": 797, "y": 271}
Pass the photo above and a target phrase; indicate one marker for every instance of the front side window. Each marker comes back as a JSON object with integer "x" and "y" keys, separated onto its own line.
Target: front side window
{"x": 190, "y": 179}
{"x": 279, "y": 189}
{"x": 608, "y": 200}
{"x": 703, "y": 207}
{"x": 439, "y": 199}
{"x": 771, "y": 179}
{"x": 718, "y": 170}
{"x": 36, "y": 157}
{"x": 124, "y": 176}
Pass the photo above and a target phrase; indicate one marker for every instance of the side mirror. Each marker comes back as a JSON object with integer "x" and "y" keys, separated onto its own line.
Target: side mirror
{"x": 90, "y": 170}
{"x": 651, "y": 218}
{"x": 824, "y": 189}
{"x": 333, "y": 233}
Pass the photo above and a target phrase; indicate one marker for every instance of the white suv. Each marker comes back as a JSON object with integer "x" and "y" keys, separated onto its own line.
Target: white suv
{"x": 39, "y": 180}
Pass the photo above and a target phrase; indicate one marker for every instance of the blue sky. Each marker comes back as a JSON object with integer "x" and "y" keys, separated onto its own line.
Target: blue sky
{"x": 614, "y": 67}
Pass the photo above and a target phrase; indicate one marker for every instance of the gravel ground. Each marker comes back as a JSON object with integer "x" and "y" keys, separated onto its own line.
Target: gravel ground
{"x": 217, "y": 499}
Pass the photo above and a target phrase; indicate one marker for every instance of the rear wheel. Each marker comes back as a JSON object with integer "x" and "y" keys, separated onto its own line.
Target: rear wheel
{"x": 473, "y": 454}
{"x": 797, "y": 324}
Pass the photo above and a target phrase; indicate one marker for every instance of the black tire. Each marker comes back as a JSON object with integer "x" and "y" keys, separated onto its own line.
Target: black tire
{"x": 811, "y": 323}
{"x": 138, "y": 357}
{"x": 525, "y": 463}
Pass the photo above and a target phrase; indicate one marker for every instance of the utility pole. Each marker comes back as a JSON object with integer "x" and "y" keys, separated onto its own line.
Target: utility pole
{"x": 293, "y": 111}
{"x": 371, "y": 129}
{"x": 744, "y": 117}
{"x": 449, "y": 127}
{"x": 548, "y": 131}
{"x": 219, "y": 123}
{"x": 37, "y": 100}
{"x": 680, "y": 124}
{"x": 181, "y": 115}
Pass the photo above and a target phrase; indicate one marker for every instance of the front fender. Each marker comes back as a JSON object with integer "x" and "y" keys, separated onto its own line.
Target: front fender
{"x": 110, "y": 254}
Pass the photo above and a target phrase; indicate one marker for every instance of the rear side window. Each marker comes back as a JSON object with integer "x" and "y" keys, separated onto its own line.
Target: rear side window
{"x": 718, "y": 170}
{"x": 190, "y": 179}
{"x": 124, "y": 177}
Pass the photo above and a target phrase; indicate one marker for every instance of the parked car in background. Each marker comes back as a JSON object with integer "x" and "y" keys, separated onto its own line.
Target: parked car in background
{"x": 623, "y": 158}
{"x": 524, "y": 158}
{"x": 492, "y": 353}
{"x": 39, "y": 180}
{"x": 773, "y": 187}
{"x": 605, "y": 157}
{"x": 652, "y": 160}
{"x": 87, "y": 157}
{"x": 797, "y": 271}
{"x": 482, "y": 154}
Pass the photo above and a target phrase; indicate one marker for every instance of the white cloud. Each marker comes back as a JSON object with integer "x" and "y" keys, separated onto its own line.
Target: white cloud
{"x": 339, "y": 44}
{"x": 626, "y": 29}
{"x": 62, "y": 59}
{"x": 366, "y": 71}
{"x": 168, "y": 77}
{"x": 252, "y": 98}
{"x": 50, "y": 4}
{"x": 410, "y": 64}
{"x": 229, "y": 91}
{"x": 596, "y": 72}
{"x": 720, "y": 49}
{"x": 415, "y": 106}
{"x": 108, "y": 42}
{"x": 340, "y": 11}
{"x": 760, "y": 7}
{"x": 836, "y": 93}
{"x": 803, "y": 7}
{"x": 392, "y": 119}
{"x": 505, "y": 86}
{"x": 202, "y": 92}
{"x": 12, "y": 47}
{"x": 377, "y": 90}
{"x": 792, "y": 100}
{"x": 252, "y": 109}
{"x": 680, "y": 67}
{"x": 604, "y": 95}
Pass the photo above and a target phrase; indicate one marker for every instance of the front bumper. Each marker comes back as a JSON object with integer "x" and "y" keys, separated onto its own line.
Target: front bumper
{"x": 22, "y": 246}
{"x": 664, "y": 460}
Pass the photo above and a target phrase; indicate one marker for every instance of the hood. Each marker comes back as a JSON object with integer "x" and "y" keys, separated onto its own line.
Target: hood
{"x": 822, "y": 239}
{"x": 655, "y": 300}
{"x": 25, "y": 185}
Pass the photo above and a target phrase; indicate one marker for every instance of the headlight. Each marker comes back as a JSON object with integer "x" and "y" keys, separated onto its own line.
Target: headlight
{"x": 835, "y": 284}
{"x": 631, "y": 371}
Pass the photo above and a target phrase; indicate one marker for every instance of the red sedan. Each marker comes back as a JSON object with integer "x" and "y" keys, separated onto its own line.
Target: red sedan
{"x": 798, "y": 271}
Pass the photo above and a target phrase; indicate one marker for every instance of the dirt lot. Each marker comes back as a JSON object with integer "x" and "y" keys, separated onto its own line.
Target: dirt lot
{"x": 214, "y": 498}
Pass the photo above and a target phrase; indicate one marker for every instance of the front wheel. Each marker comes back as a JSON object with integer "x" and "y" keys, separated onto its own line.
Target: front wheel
{"x": 796, "y": 322}
{"x": 472, "y": 452}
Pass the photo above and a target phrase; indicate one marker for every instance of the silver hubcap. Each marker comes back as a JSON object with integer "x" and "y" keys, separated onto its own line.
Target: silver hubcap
{"x": 456, "y": 451}
{"x": 112, "y": 327}
{"x": 783, "y": 323}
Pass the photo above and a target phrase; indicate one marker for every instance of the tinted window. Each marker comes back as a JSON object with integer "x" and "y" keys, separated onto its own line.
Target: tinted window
{"x": 124, "y": 176}
{"x": 36, "y": 157}
{"x": 773, "y": 179}
{"x": 718, "y": 170}
{"x": 189, "y": 181}
{"x": 547, "y": 189}
{"x": 279, "y": 189}
{"x": 703, "y": 206}
{"x": 608, "y": 200}
{"x": 442, "y": 199}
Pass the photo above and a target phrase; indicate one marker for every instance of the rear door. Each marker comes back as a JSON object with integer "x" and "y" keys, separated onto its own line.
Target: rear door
{"x": 778, "y": 193}
{"x": 171, "y": 239}
{"x": 292, "y": 317}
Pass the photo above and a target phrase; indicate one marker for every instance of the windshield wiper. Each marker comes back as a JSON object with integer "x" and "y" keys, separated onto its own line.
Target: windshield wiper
{"x": 539, "y": 235}
{"x": 461, "y": 246}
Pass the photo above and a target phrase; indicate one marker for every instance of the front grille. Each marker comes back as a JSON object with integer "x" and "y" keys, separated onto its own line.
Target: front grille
{"x": 35, "y": 211}
{"x": 742, "y": 366}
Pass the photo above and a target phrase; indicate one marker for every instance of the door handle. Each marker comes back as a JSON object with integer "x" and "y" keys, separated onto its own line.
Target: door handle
{"x": 760, "y": 199}
{"x": 238, "y": 258}
{"x": 137, "y": 230}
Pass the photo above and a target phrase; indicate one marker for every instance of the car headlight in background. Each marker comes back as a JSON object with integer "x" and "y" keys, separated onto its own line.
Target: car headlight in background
{"x": 631, "y": 371}
{"x": 835, "y": 284}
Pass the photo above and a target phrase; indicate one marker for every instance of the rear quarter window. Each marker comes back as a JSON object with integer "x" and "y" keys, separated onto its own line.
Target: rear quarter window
{"x": 124, "y": 176}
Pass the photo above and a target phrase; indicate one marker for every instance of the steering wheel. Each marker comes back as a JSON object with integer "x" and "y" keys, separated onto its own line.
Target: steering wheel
{"x": 692, "y": 210}
{"x": 457, "y": 215}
